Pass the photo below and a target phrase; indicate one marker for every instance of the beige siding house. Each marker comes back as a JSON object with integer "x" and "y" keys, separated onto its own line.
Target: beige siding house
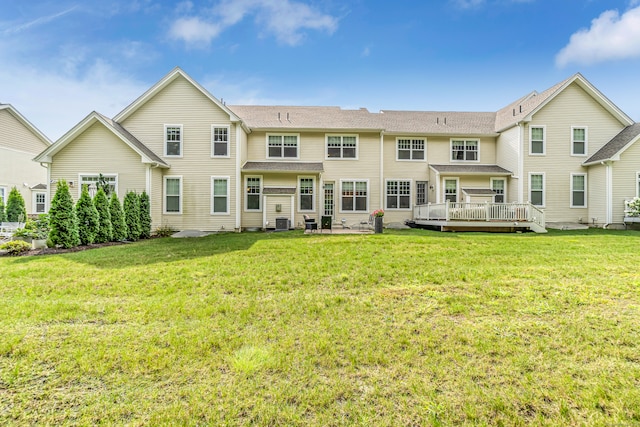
{"x": 16, "y": 168}
{"x": 567, "y": 154}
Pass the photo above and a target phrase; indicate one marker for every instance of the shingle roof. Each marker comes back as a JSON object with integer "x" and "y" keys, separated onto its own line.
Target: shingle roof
{"x": 618, "y": 143}
{"x": 471, "y": 169}
{"x": 313, "y": 167}
{"x": 439, "y": 123}
{"x": 39, "y": 187}
{"x": 279, "y": 190}
{"x": 479, "y": 191}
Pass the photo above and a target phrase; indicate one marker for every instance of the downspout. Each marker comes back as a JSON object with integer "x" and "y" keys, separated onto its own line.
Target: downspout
{"x": 239, "y": 185}
{"x": 381, "y": 194}
{"x": 608, "y": 193}
{"x": 48, "y": 198}
{"x": 520, "y": 163}
{"x": 437, "y": 187}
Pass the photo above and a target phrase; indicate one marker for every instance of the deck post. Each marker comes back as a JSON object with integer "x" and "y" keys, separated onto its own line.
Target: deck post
{"x": 487, "y": 210}
{"x": 446, "y": 209}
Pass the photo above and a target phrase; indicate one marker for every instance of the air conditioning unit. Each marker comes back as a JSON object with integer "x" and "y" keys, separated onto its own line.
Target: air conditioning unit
{"x": 282, "y": 224}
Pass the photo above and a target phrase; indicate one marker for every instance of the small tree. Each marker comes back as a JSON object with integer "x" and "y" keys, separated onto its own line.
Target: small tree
{"x": 105, "y": 231}
{"x": 63, "y": 222}
{"x": 145, "y": 216}
{"x": 3, "y": 216}
{"x": 16, "y": 212}
{"x": 117, "y": 219}
{"x": 88, "y": 219}
{"x": 104, "y": 184}
{"x": 131, "y": 207}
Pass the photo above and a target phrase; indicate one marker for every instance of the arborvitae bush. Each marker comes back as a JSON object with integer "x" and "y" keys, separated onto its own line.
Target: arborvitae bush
{"x": 105, "y": 231}
{"x": 63, "y": 222}
{"x": 3, "y": 216}
{"x": 131, "y": 208}
{"x": 117, "y": 219}
{"x": 88, "y": 219}
{"x": 145, "y": 216}
{"x": 16, "y": 212}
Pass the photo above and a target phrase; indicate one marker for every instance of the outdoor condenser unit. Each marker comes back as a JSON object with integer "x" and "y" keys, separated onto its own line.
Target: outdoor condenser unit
{"x": 282, "y": 224}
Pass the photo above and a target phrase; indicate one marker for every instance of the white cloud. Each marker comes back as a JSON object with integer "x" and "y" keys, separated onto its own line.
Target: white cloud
{"x": 612, "y": 36}
{"x": 287, "y": 20}
{"x": 36, "y": 22}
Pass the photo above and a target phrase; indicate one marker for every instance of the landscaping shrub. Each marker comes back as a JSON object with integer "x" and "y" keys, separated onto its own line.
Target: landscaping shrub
{"x": 117, "y": 219}
{"x": 16, "y": 247}
{"x": 88, "y": 219}
{"x": 62, "y": 218}
{"x": 164, "y": 231}
{"x": 16, "y": 212}
{"x": 105, "y": 231}
{"x": 131, "y": 208}
{"x": 145, "y": 216}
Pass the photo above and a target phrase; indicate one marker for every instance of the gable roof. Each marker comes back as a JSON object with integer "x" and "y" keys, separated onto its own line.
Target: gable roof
{"x": 614, "y": 148}
{"x": 164, "y": 82}
{"x": 146, "y": 154}
{"x": 524, "y": 108}
{"x": 26, "y": 123}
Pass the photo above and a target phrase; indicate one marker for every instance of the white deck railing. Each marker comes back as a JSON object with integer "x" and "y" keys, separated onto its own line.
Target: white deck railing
{"x": 453, "y": 211}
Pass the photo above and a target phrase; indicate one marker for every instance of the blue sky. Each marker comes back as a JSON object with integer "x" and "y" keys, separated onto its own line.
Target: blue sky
{"x": 62, "y": 59}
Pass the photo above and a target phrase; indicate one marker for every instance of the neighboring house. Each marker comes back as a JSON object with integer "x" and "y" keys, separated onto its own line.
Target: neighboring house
{"x": 568, "y": 150}
{"x": 22, "y": 141}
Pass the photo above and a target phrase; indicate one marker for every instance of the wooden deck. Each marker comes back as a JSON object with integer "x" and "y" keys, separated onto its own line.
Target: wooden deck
{"x": 503, "y": 217}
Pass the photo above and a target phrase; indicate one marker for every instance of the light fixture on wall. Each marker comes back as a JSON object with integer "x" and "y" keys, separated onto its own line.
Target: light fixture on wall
{"x": 431, "y": 187}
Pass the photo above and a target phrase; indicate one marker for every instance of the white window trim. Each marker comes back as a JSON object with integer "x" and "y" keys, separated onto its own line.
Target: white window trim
{"x": 586, "y": 141}
{"x": 444, "y": 188}
{"x": 637, "y": 184}
{"x": 313, "y": 194}
{"x": 246, "y": 195}
{"x": 341, "y": 135}
{"x": 544, "y": 140}
{"x": 571, "y": 191}
{"x": 544, "y": 188}
{"x": 411, "y": 192}
{"x": 34, "y": 206}
{"x": 228, "y": 128}
{"x": 424, "y": 140}
{"x": 5, "y": 192}
{"x": 465, "y": 141}
{"x": 354, "y": 180}
{"x": 505, "y": 186}
{"x": 228, "y": 179}
{"x": 164, "y": 139}
{"x": 91, "y": 174}
{"x": 297, "y": 135}
{"x": 164, "y": 195}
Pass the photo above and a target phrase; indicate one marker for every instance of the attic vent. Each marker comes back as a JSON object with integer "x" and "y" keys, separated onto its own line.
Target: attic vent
{"x": 521, "y": 108}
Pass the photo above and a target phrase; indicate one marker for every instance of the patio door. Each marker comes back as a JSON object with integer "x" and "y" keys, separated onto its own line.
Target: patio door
{"x": 329, "y": 200}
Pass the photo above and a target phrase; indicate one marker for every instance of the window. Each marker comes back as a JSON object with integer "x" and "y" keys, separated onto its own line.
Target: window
{"x": 39, "y": 202}
{"x": 282, "y": 146}
{"x": 219, "y": 195}
{"x": 421, "y": 192}
{"x": 398, "y": 195}
{"x": 305, "y": 194}
{"x": 254, "y": 193}
{"x": 537, "y": 140}
{"x": 579, "y": 141}
{"x": 410, "y": 149}
{"x": 173, "y": 140}
{"x": 355, "y": 196}
{"x": 637, "y": 185}
{"x": 3, "y": 195}
{"x": 578, "y": 190}
{"x": 219, "y": 141}
{"x": 451, "y": 190}
{"x": 536, "y": 189}
{"x": 342, "y": 146}
{"x": 93, "y": 182}
{"x": 173, "y": 194}
{"x": 464, "y": 150}
{"x": 498, "y": 186}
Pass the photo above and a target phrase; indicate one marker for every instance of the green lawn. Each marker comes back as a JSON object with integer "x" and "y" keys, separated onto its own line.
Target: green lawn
{"x": 405, "y": 328}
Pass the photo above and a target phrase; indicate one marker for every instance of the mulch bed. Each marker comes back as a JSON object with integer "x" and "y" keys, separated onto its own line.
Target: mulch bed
{"x": 53, "y": 251}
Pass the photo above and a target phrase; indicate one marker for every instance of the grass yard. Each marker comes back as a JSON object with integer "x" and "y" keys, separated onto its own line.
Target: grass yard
{"x": 405, "y": 328}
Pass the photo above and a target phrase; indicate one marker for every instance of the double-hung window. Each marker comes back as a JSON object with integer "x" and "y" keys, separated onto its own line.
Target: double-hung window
{"x": 498, "y": 187}
{"x": 398, "y": 194}
{"x": 220, "y": 195}
{"x": 342, "y": 146}
{"x": 3, "y": 195}
{"x": 536, "y": 189}
{"x": 578, "y": 190}
{"x": 537, "y": 140}
{"x": 355, "y": 196}
{"x": 219, "y": 141}
{"x": 173, "y": 194}
{"x": 173, "y": 140}
{"x": 282, "y": 146}
{"x": 579, "y": 141}
{"x": 451, "y": 190}
{"x": 410, "y": 149}
{"x": 39, "y": 202}
{"x": 253, "y": 201}
{"x": 305, "y": 194}
{"x": 465, "y": 150}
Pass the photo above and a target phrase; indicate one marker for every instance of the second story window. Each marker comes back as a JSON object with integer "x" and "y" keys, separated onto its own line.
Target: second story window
{"x": 465, "y": 150}
{"x": 410, "y": 149}
{"x": 282, "y": 146}
{"x": 173, "y": 140}
{"x": 537, "y": 140}
{"x": 219, "y": 141}
{"x": 341, "y": 147}
{"x": 579, "y": 141}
